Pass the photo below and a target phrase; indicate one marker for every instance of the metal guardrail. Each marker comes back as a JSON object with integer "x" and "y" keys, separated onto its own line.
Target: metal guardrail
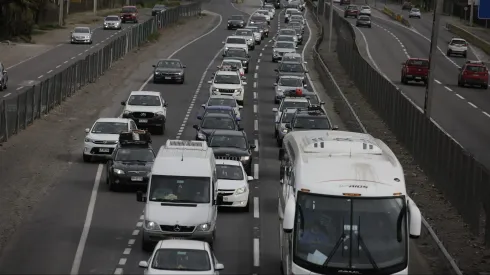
{"x": 464, "y": 181}
{"x": 21, "y": 110}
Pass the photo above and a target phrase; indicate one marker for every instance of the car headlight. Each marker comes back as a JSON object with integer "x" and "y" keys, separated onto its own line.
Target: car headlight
{"x": 215, "y": 91}
{"x": 244, "y": 61}
{"x": 118, "y": 172}
{"x": 89, "y": 140}
{"x": 201, "y": 135}
{"x": 244, "y": 158}
{"x": 204, "y": 227}
{"x": 149, "y": 225}
{"x": 157, "y": 72}
{"x": 241, "y": 190}
{"x": 126, "y": 112}
{"x": 226, "y": 48}
{"x": 160, "y": 113}
{"x": 239, "y": 91}
{"x": 285, "y": 131}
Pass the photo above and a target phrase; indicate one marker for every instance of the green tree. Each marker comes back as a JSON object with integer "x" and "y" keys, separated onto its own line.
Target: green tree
{"x": 17, "y": 17}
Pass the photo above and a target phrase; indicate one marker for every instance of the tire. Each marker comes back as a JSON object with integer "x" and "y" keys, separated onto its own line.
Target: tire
{"x": 465, "y": 54}
{"x": 246, "y": 70}
{"x": 87, "y": 158}
{"x": 460, "y": 84}
{"x": 246, "y": 209}
{"x": 448, "y": 53}
{"x": 5, "y": 85}
{"x": 163, "y": 129}
{"x": 369, "y": 26}
{"x": 182, "y": 81}
{"x": 1, "y": 87}
{"x": 155, "y": 81}
{"x": 279, "y": 142}
{"x": 146, "y": 246}
{"x": 485, "y": 86}
{"x": 404, "y": 80}
{"x": 114, "y": 187}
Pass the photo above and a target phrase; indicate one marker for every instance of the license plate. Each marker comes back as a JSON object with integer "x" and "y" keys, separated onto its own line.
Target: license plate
{"x": 476, "y": 75}
{"x": 143, "y": 120}
{"x": 225, "y": 198}
{"x": 136, "y": 178}
{"x": 418, "y": 77}
{"x": 104, "y": 150}
{"x": 168, "y": 77}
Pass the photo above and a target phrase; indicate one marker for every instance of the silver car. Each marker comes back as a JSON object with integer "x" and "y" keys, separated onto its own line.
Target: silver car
{"x": 257, "y": 34}
{"x": 292, "y": 57}
{"x": 287, "y": 38}
{"x": 248, "y": 35}
{"x": 286, "y": 83}
{"x": 282, "y": 47}
{"x": 81, "y": 35}
{"x": 112, "y": 22}
{"x": 281, "y": 129}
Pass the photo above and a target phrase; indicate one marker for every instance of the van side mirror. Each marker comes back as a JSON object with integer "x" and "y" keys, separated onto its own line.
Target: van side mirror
{"x": 165, "y": 104}
{"x": 123, "y": 103}
{"x": 252, "y": 146}
{"x": 204, "y": 106}
{"x": 240, "y": 129}
{"x": 276, "y": 70}
{"x": 415, "y": 219}
{"x": 250, "y": 178}
{"x": 184, "y": 66}
{"x": 275, "y": 84}
{"x": 140, "y": 196}
{"x": 281, "y": 181}
{"x": 274, "y": 110}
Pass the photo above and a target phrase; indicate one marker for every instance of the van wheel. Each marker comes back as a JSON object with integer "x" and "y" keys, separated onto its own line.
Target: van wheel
{"x": 448, "y": 53}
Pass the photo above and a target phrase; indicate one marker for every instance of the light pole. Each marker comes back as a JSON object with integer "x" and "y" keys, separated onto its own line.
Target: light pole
{"x": 61, "y": 13}
{"x": 429, "y": 88}
{"x": 330, "y": 29}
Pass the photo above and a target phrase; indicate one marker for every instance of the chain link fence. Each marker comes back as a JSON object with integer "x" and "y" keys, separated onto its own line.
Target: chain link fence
{"x": 464, "y": 181}
{"x": 19, "y": 111}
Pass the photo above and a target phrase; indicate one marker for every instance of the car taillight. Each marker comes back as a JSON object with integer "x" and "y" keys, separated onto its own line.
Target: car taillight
{"x": 465, "y": 72}
{"x": 241, "y": 73}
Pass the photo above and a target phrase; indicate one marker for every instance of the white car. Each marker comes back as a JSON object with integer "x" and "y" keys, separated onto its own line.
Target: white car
{"x": 177, "y": 256}
{"x": 265, "y": 13}
{"x": 257, "y": 34}
{"x": 230, "y": 62}
{"x": 235, "y": 42}
{"x": 288, "y": 14}
{"x": 224, "y": 100}
{"x": 233, "y": 185}
{"x": 271, "y": 9}
{"x": 457, "y": 46}
{"x": 290, "y": 103}
{"x": 103, "y": 136}
{"x": 228, "y": 83}
{"x": 248, "y": 34}
{"x": 112, "y": 22}
{"x": 148, "y": 109}
{"x": 365, "y": 10}
{"x": 286, "y": 83}
{"x": 414, "y": 12}
{"x": 81, "y": 35}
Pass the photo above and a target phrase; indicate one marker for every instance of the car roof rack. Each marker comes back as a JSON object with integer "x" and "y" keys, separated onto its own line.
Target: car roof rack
{"x": 295, "y": 93}
{"x": 135, "y": 138}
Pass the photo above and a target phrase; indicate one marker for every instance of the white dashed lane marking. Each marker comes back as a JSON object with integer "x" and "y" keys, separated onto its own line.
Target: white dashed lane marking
{"x": 50, "y": 71}
{"x": 447, "y": 88}
{"x": 472, "y": 105}
{"x": 459, "y": 96}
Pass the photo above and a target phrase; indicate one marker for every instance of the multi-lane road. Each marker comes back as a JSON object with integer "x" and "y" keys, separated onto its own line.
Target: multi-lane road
{"x": 34, "y": 70}
{"x": 464, "y": 113}
{"x": 83, "y": 228}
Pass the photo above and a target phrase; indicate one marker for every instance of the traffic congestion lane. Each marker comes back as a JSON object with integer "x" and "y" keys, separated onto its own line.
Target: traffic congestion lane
{"x": 45, "y": 65}
{"x": 62, "y": 226}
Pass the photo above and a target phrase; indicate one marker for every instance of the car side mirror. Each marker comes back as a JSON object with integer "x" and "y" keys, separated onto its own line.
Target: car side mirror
{"x": 219, "y": 267}
{"x": 275, "y": 84}
{"x": 238, "y": 119}
{"x": 140, "y": 196}
{"x": 154, "y": 66}
{"x": 240, "y": 107}
{"x": 335, "y": 127}
{"x": 123, "y": 103}
{"x": 210, "y": 82}
{"x": 204, "y": 106}
{"x": 248, "y": 55}
{"x": 143, "y": 264}
{"x": 244, "y": 83}
{"x": 4, "y": 71}
{"x": 403, "y": 63}
{"x": 244, "y": 78}
{"x": 250, "y": 178}
{"x": 274, "y": 110}
{"x": 195, "y": 127}
{"x": 199, "y": 117}
{"x": 295, "y": 47}
{"x": 223, "y": 42}
{"x": 304, "y": 85}
{"x": 281, "y": 181}
{"x": 87, "y": 130}
{"x": 219, "y": 67}
{"x": 306, "y": 71}
{"x": 288, "y": 126}
{"x": 322, "y": 103}
{"x": 223, "y": 55}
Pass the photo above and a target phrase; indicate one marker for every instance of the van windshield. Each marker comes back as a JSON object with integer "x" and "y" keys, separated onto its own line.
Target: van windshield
{"x": 179, "y": 189}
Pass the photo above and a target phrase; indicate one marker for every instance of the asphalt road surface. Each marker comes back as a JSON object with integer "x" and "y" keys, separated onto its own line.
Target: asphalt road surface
{"x": 62, "y": 56}
{"x": 464, "y": 113}
{"x": 247, "y": 243}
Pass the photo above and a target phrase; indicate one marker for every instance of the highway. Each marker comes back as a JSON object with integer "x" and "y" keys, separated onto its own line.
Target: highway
{"x": 61, "y": 56}
{"x": 108, "y": 241}
{"x": 463, "y": 113}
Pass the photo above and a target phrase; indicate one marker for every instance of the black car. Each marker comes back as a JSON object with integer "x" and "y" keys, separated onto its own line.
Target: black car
{"x": 233, "y": 145}
{"x": 215, "y": 121}
{"x": 291, "y": 68}
{"x": 236, "y": 22}
{"x": 312, "y": 118}
{"x": 157, "y": 9}
{"x": 169, "y": 70}
{"x": 238, "y": 54}
{"x": 131, "y": 161}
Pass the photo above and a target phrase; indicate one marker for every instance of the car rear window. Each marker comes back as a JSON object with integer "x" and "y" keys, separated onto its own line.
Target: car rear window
{"x": 418, "y": 63}
{"x": 128, "y": 10}
{"x": 458, "y": 42}
{"x": 476, "y": 69}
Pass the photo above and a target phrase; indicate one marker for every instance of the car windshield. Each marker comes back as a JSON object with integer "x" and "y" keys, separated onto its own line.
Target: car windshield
{"x": 475, "y": 69}
{"x": 181, "y": 260}
{"x": 287, "y": 32}
{"x": 258, "y": 18}
{"x": 218, "y": 123}
{"x": 235, "y": 41}
{"x": 236, "y": 53}
{"x": 171, "y": 64}
{"x": 159, "y": 7}
{"x": 290, "y": 11}
{"x": 232, "y": 63}
{"x": 236, "y": 17}
{"x": 363, "y": 18}
{"x": 287, "y": 117}
{"x": 313, "y": 123}
{"x": 128, "y": 10}
{"x": 179, "y": 189}
{"x": 111, "y": 128}
{"x": 112, "y": 18}
{"x": 222, "y": 102}
{"x": 243, "y": 33}
{"x": 285, "y": 38}
{"x": 365, "y": 8}
{"x": 295, "y": 59}
{"x": 229, "y": 172}
{"x": 81, "y": 30}
{"x": 291, "y": 67}
{"x": 134, "y": 154}
{"x": 226, "y": 79}
{"x": 144, "y": 100}
{"x": 415, "y": 10}
{"x": 458, "y": 42}
{"x": 290, "y": 82}
{"x": 219, "y": 111}
{"x": 283, "y": 45}
{"x": 418, "y": 63}
{"x": 366, "y": 234}
{"x": 228, "y": 141}
{"x": 294, "y": 105}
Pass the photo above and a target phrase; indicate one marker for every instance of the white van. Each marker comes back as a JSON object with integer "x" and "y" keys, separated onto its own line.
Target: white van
{"x": 181, "y": 195}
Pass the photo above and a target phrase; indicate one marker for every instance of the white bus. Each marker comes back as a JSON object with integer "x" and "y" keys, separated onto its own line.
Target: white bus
{"x": 343, "y": 206}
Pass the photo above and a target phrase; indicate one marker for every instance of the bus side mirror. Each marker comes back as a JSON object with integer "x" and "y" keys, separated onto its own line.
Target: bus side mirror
{"x": 281, "y": 153}
{"x": 288, "y": 222}
{"x": 415, "y": 219}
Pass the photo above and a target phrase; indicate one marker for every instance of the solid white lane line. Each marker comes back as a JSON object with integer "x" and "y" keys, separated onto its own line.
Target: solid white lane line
{"x": 487, "y": 114}
{"x": 459, "y": 96}
{"x": 447, "y": 88}
{"x": 472, "y": 105}
{"x": 50, "y": 71}
{"x": 256, "y": 207}
{"x": 256, "y": 252}
{"x": 88, "y": 221}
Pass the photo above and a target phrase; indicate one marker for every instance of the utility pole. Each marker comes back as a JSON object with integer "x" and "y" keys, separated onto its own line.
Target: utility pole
{"x": 429, "y": 88}
{"x": 330, "y": 27}
{"x": 95, "y": 7}
{"x": 472, "y": 3}
{"x": 61, "y": 13}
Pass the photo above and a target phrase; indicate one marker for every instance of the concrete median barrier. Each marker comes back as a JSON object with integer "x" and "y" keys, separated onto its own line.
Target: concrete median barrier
{"x": 471, "y": 38}
{"x": 396, "y": 16}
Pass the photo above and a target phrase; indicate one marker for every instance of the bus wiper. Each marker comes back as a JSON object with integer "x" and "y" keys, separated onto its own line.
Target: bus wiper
{"x": 335, "y": 248}
{"x": 368, "y": 253}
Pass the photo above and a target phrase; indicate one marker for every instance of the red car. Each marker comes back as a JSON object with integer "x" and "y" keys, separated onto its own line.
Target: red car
{"x": 473, "y": 73}
{"x": 129, "y": 14}
{"x": 351, "y": 10}
{"x": 415, "y": 69}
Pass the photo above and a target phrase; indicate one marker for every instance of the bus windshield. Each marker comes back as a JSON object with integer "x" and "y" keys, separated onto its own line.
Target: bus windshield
{"x": 334, "y": 233}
